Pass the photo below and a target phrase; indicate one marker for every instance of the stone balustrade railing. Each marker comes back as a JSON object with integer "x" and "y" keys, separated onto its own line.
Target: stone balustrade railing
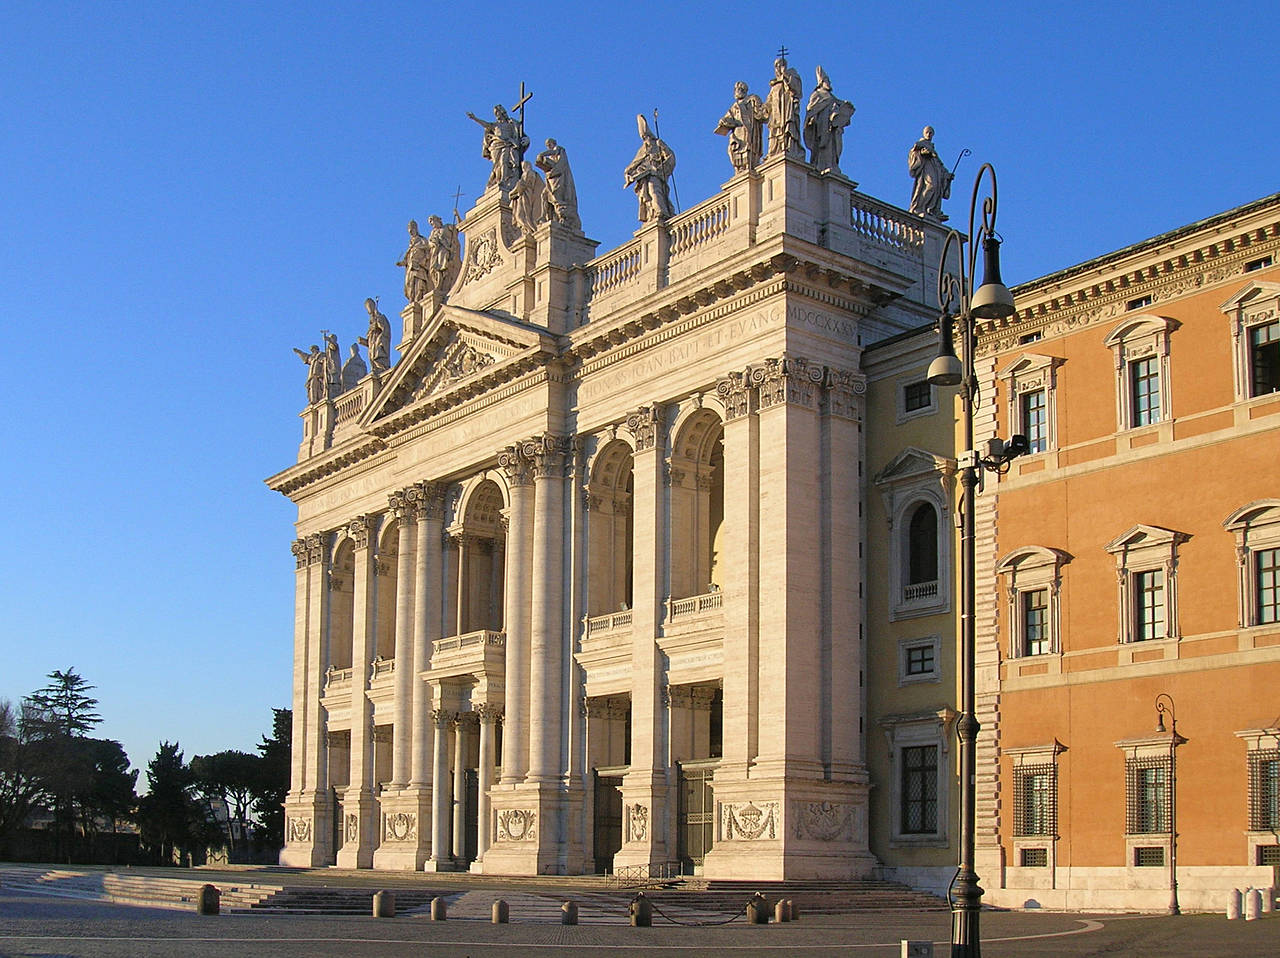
{"x": 336, "y": 678}
{"x": 884, "y": 224}
{"x": 694, "y": 605}
{"x": 383, "y": 666}
{"x": 700, "y": 225}
{"x": 481, "y": 637}
{"x": 615, "y": 269}
{"x": 608, "y": 623}
{"x": 920, "y": 590}
{"x": 349, "y": 406}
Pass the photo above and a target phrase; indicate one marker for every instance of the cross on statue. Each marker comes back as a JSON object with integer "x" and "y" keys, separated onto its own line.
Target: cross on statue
{"x": 524, "y": 98}
{"x": 457, "y": 194}
{"x": 782, "y": 51}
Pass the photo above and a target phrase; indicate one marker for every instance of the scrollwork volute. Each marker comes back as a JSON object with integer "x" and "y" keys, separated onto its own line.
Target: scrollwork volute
{"x": 401, "y": 503}
{"x": 735, "y": 393}
{"x": 791, "y": 379}
{"x": 316, "y": 543}
{"x": 548, "y": 453}
{"x": 299, "y": 550}
{"x": 516, "y": 466}
{"x": 360, "y": 529}
{"x": 429, "y": 499}
{"x": 645, "y": 426}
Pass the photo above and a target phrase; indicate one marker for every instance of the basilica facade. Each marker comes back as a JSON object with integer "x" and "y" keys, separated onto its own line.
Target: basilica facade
{"x": 580, "y": 578}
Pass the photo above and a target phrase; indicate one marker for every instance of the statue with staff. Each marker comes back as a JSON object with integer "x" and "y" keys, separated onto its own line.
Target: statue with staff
{"x": 650, "y": 174}
{"x": 932, "y": 178}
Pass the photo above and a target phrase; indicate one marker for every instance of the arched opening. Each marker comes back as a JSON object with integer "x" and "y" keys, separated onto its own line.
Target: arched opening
{"x": 341, "y": 596}
{"x": 697, "y": 505}
{"x": 609, "y": 531}
{"x": 921, "y": 552}
{"x": 384, "y": 597}
{"x": 479, "y": 546}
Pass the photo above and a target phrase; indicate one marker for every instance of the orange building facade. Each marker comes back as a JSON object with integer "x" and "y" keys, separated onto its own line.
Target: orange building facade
{"x": 1132, "y": 558}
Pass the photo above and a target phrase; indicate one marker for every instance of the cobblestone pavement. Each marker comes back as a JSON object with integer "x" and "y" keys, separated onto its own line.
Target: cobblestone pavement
{"x": 36, "y": 926}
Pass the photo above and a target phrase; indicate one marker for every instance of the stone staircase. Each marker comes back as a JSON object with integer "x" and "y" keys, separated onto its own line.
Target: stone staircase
{"x": 810, "y": 897}
{"x": 125, "y": 889}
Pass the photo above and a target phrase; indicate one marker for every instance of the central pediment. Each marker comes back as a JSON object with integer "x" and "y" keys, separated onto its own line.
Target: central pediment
{"x": 462, "y": 352}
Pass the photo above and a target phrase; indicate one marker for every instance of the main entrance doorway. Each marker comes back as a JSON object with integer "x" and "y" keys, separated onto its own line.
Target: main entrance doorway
{"x": 608, "y": 820}
{"x": 695, "y": 813}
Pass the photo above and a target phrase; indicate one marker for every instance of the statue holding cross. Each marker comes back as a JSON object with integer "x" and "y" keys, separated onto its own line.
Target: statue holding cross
{"x": 504, "y": 144}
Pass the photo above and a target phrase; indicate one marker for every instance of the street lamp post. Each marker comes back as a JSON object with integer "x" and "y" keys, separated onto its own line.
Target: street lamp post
{"x": 963, "y": 306}
{"x": 1174, "y": 741}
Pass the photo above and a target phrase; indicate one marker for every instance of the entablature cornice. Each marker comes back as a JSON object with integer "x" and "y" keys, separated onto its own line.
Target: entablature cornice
{"x": 332, "y": 461}
{"x": 1103, "y": 293}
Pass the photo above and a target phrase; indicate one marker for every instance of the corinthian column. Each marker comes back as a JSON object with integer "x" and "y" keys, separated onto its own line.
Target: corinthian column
{"x": 515, "y": 743}
{"x": 402, "y": 744}
{"x": 546, "y": 646}
{"x": 358, "y": 803}
{"x": 440, "y": 791}
{"x": 488, "y": 716}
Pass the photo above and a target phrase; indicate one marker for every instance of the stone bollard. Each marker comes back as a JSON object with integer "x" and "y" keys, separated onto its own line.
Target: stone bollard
{"x": 1252, "y": 904}
{"x": 208, "y": 900}
{"x": 568, "y": 913}
{"x": 641, "y": 911}
{"x": 793, "y": 909}
{"x": 916, "y": 949}
{"x": 757, "y": 910}
{"x": 384, "y": 904}
{"x": 501, "y": 913}
{"x": 1233, "y": 904}
{"x": 780, "y": 911}
{"x": 438, "y": 910}
{"x": 1268, "y": 900}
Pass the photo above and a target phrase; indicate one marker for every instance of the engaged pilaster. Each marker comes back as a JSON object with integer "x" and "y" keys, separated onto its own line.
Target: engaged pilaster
{"x": 518, "y": 469}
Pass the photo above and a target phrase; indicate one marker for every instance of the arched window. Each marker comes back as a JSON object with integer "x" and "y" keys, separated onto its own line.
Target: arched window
{"x": 922, "y": 546}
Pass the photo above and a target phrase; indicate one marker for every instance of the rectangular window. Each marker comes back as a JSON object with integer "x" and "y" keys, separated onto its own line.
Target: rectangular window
{"x": 1148, "y": 857}
{"x": 1264, "y": 790}
{"x": 1147, "y": 795}
{"x": 1269, "y": 855}
{"x": 1264, "y": 359}
{"x": 1267, "y": 583}
{"x": 1148, "y": 605}
{"x": 916, "y": 396}
{"x": 1035, "y": 622}
{"x": 1035, "y": 795}
{"x": 920, "y": 660}
{"x": 1256, "y": 264}
{"x": 1035, "y": 419}
{"x": 1144, "y": 381}
{"x": 1030, "y": 337}
{"x": 920, "y": 790}
{"x": 1138, "y": 303}
{"x": 1035, "y": 858}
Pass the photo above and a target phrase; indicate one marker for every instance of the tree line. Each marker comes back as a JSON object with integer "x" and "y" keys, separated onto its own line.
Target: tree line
{"x": 53, "y": 769}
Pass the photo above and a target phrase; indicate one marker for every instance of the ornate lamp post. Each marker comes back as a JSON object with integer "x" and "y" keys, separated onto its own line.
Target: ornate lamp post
{"x": 964, "y": 306}
{"x": 1164, "y": 703}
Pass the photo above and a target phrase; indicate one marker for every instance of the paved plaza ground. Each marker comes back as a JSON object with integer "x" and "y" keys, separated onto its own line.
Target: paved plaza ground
{"x": 37, "y": 925}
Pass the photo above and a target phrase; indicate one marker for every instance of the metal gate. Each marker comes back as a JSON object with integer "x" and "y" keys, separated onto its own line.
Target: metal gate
{"x": 608, "y": 820}
{"x": 696, "y": 815}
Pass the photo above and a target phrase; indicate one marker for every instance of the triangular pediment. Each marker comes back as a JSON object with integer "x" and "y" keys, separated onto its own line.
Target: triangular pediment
{"x": 912, "y": 463}
{"x": 1250, "y": 292}
{"x": 460, "y": 353}
{"x": 1144, "y": 536}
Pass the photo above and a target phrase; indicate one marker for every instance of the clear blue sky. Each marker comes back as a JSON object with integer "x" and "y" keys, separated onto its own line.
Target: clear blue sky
{"x": 189, "y": 190}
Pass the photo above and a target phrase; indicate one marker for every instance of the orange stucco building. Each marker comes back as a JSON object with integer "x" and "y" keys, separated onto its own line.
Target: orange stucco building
{"x": 1130, "y": 558}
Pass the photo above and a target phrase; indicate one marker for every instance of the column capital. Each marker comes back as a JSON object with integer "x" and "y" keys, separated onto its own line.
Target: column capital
{"x": 299, "y": 550}
{"x": 429, "y": 499}
{"x": 549, "y": 454}
{"x": 441, "y": 718}
{"x": 843, "y": 391}
{"x": 360, "y": 529}
{"x": 516, "y": 466}
{"x": 401, "y": 503}
{"x": 488, "y": 714}
{"x": 645, "y": 425}
{"x": 735, "y": 392}
{"x": 310, "y": 549}
{"x": 791, "y": 380}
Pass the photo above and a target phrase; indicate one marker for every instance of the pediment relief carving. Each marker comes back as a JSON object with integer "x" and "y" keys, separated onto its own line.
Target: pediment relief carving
{"x": 912, "y": 463}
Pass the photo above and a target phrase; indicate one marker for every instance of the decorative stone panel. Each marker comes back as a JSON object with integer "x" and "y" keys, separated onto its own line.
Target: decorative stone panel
{"x": 748, "y": 821}
{"x": 517, "y": 825}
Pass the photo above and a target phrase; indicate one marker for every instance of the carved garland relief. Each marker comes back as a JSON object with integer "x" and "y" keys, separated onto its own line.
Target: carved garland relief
{"x": 298, "y": 831}
{"x": 517, "y": 825}
{"x": 400, "y": 827}
{"x": 823, "y": 821}
{"x": 749, "y": 821}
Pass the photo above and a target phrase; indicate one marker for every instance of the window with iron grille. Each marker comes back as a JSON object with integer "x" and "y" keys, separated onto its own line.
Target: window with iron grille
{"x": 1269, "y": 855}
{"x": 1267, "y": 580}
{"x": 1148, "y": 605}
{"x": 1147, "y": 795}
{"x": 919, "y": 789}
{"x": 1264, "y": 790}
{"x": 1035, "y": 797}
{"x": 1034, "y": 858}
{"x": 1149, "y": 856}
{"x": 1144, "y": 378}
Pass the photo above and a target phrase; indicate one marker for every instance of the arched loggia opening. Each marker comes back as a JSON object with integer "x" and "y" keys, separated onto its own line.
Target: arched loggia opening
{"x": 609, "y": 530}
{"x": 697, "y": 505}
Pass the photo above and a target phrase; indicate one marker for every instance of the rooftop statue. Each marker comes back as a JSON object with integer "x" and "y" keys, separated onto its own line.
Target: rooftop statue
{"x": 650, "y": 174}
{"x": 417, "y": 282}
{"x": 354, "y": 369}
{"x": 377, "y": 340}
{"x": 527, "y": 207}
{"x": 742, "y": 125}
{"x": 782, "y": 111}
{"x": 504, "y": 145}
{"x": 444, "y": 260}
{"x": 332, "y": 364}
{"x": 824, "y": 121}
{"x": 933, "y": 180}
{"x": 561, "y": 198}
{"x": 317, "y": 374}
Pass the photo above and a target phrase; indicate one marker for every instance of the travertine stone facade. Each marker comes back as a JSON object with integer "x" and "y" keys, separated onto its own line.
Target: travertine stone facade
{"x": 581, "y": 576}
